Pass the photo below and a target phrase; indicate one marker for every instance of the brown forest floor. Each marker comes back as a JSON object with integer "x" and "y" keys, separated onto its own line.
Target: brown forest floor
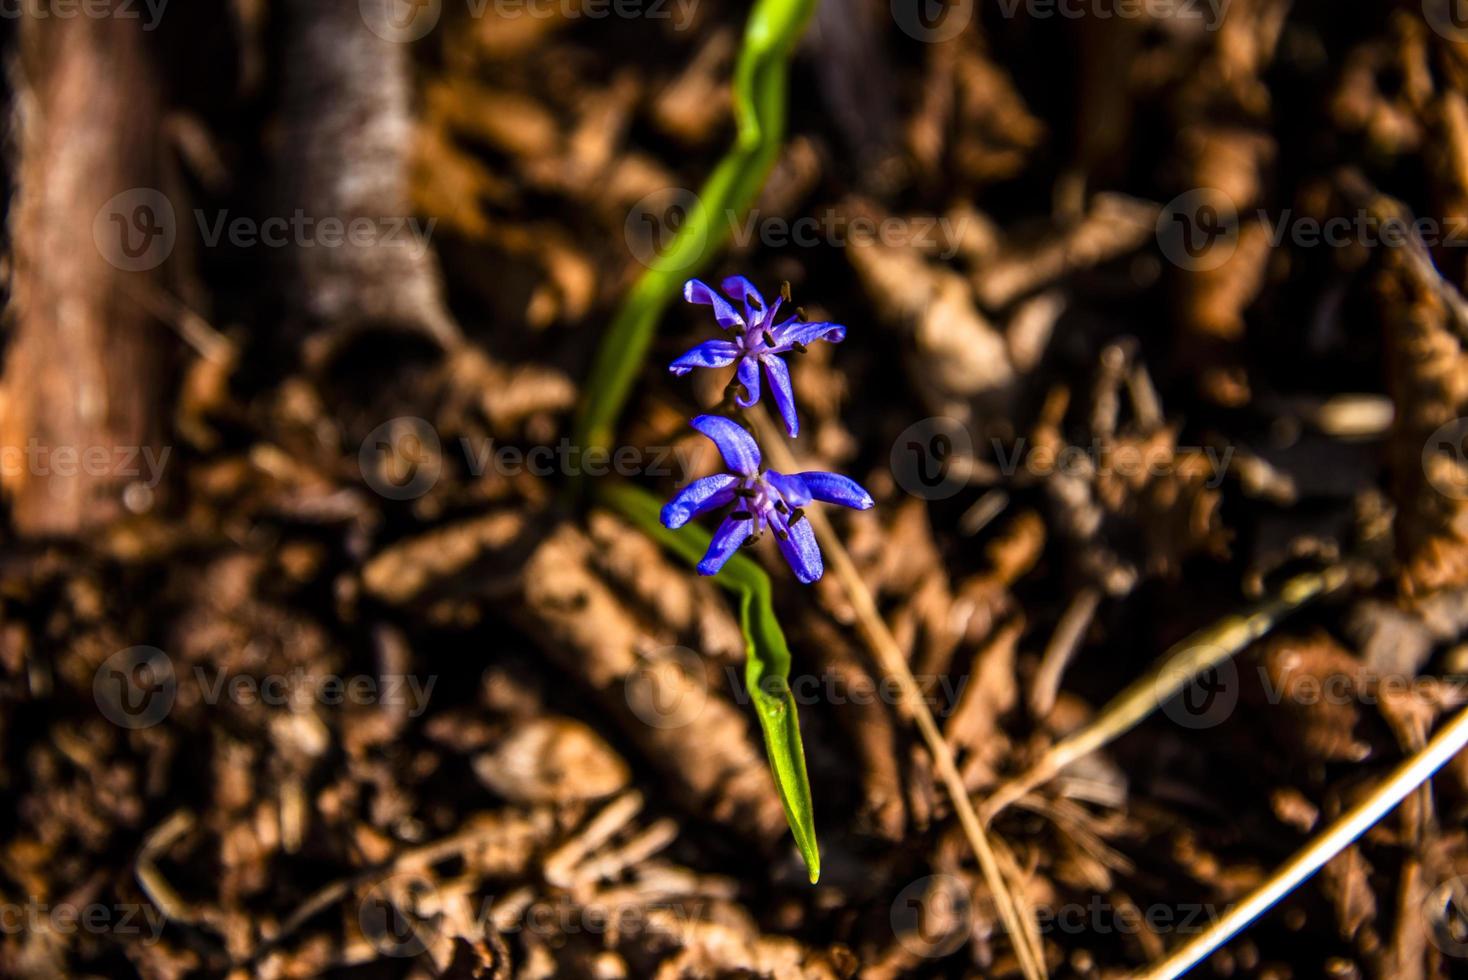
{"x": 319, "y": 465}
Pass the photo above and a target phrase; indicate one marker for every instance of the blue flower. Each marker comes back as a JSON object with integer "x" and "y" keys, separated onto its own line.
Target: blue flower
{"x": 757, "y": 340}
{"x": 767, "y": 500}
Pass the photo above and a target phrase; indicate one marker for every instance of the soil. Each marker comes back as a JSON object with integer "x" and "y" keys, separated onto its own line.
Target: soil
{"x": 315, "y": 662}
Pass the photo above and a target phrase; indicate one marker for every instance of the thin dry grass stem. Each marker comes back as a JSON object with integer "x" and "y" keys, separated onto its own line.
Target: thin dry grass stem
{"x": 158, "y": 889}
{"x": 562, "y": 864}
{"x": 1062, "y": 648}
{"x": 984, "y": 510}
{"x": 1183, "y": 662}
{"x": 196, "y": 331}
{"x": 889, "y": 657}
{"x": 1387, "y": 209}
{"x": 412, "y": 859}
{"x": 1406, "y": 778}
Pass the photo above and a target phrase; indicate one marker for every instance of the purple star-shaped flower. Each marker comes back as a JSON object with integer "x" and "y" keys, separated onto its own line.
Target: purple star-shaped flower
{"x": 767, "y": 500}
{"x": 758, "y": 340}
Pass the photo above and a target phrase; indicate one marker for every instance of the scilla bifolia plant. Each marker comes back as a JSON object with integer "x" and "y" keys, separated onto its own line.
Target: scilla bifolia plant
{"x": 760, "y": 77}
{"x": 763, "y": 499}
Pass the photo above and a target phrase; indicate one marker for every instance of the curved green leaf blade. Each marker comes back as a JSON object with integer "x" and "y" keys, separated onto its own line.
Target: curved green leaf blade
{"x": 767, "y": 659}
{"x": 759, "y": 104}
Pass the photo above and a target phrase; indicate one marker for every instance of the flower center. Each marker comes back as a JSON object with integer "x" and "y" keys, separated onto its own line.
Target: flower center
{"x": 765, "y": 502}
{"x": 758, "y": 337}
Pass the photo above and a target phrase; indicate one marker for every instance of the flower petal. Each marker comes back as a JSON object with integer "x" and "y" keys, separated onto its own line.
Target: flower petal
{"x": 749, "y": 377}
{"x": 741, "y": 290}
{"x": 789, "y": 486}
{"x": 794, "y": 332}
{"x": 801, "y": 551}
{"x": 709, "y": 354}
{"x": 697, "y": 291}
{"x": 698, "y": 497}
{"x": 779, "y": 376}
{"x": 736, "y": 446}
{"x": 726, "y": 541}
{"x": 834, "y": 488}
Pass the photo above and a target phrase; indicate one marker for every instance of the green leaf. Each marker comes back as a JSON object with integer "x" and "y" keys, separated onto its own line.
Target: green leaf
{"x": 759, "y": 106}
{"x": 767, "y": 658}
